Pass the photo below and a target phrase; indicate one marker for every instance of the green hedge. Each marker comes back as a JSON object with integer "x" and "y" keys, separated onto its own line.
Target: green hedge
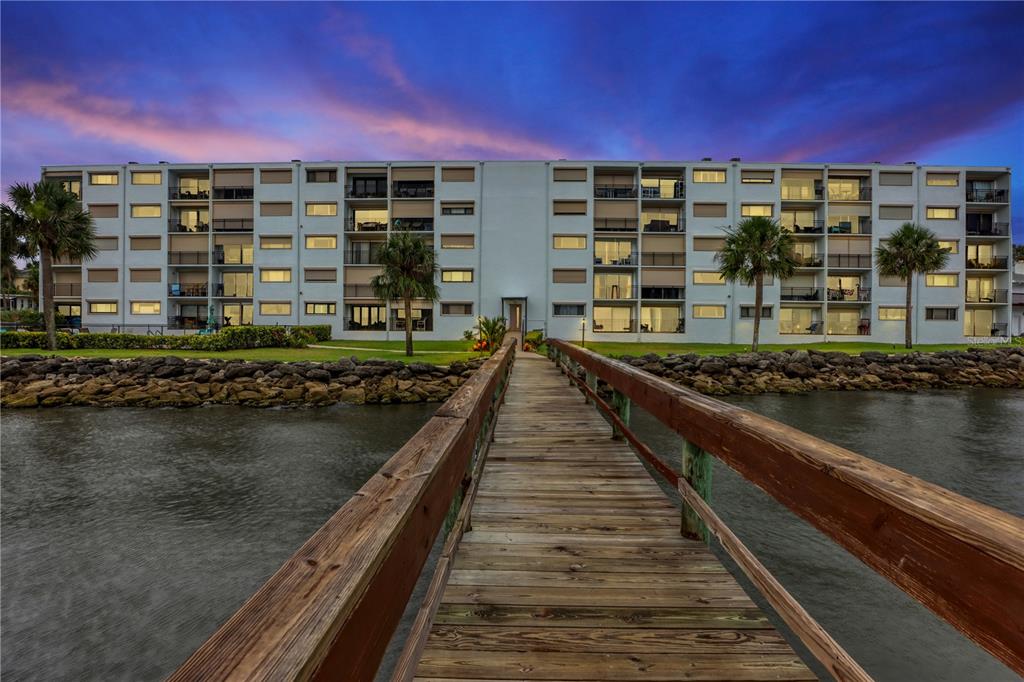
{"x": 229, "y": 338}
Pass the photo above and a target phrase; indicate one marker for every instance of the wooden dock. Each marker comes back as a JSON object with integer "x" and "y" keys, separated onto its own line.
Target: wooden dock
{"x": 575, "y": 569}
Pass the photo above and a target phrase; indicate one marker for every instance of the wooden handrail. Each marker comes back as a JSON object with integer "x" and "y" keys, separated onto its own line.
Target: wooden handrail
{"x": 331, "y": 609}
{"x": 962, "y": 559}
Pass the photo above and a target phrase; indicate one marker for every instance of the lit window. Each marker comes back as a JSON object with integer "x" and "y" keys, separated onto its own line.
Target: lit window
{"x": 758, "y": 210}
{"x": 275, "y": 308}
{"x": 330, "y": 209}
{"x": 145, "y": 307}
{"x": 456, "y": 275}
{"x": 275, "y": 242}
{"x": 892, "y": 313}
{"x": 145, "y": 210}
{"x": 321, "y": 242}
{"x": 569, "y": 309}
{"x": 321, "y": 308}
{"x": 709, "y": 312}
{"x": 457, "y": 309}
{"x": 103, "y": 307}
{"x": 146, "y": 178}
{"x": 708, "y": 278}
{"x": 951, "y": 246}
{"x": 942, "y": 213}
{"x": 103, "y": 178}
{"x": 943, "y": 179}
{"x": 709, "y": 176}
{"x": 941, "y": 280}
{"x": 569, "y": 241}
{"x": 272, "y": 276}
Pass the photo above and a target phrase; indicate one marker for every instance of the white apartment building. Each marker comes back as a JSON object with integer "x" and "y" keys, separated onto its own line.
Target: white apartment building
{"x": 615, "y": 250}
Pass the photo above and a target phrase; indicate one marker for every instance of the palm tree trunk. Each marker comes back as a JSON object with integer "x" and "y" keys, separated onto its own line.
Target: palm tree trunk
{"x": 408, "y": 326}
{"x": 46, "y": 275}
{"x": 908, "y": 342}
{"x": 758, "y": 298}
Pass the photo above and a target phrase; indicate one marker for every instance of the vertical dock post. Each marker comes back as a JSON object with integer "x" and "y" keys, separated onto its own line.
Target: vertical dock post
{"x": 697, "y": 472}
{"x": 621, "y": 404}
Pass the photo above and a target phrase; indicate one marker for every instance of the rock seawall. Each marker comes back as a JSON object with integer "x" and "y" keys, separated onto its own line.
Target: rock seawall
{"x": 37, "y": 381}
{"x": 801, "y": 371}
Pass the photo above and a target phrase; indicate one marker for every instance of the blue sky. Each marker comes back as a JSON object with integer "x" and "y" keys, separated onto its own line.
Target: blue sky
{"x": 893, "y": 82}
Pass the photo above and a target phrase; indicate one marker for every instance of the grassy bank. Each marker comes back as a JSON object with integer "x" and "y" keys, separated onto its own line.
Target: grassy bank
{"x": 614, "y": 349}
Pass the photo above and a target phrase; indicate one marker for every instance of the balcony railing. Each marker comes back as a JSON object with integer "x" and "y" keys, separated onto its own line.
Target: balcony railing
{"x": 232, "y": 224}
{"x": 67, "y": 289}
{"x": 234, "y": 292}
{"x": 813, "y": 227}
{"x": 987, "y": 196}
{"x": 368, "y": 188}
{"x": 173, "y": 225}
{"x": 663, "y": 293}
{"x": 863, "y": 328}
{"x": 990, "y": 296}
{"x": 678, "y": 191}
{"x": 816, "y": 193}
{"x": 665, "y": 328}
{"x": 358, "y": 291}
{"x": 233, "y": 193}
{"x": 859, "y": 295}
{"x": 187, "y": 322}
{"x": 197, "y": 290}
{"x": 814, "y": 260}
{"x": 362, "y": 257}
{"x": 408, "y": 189}
{"x": 612, "y": 292}
{"x": 187, "y": 194}
{"x": 850, "y": 260}
{"x": 988, "y": 229}
{"x": 991, "y": 263}
{"x": 995, "y": 329}
{"x": 614, "y": 192}
{"x": 365, "y": 226}
{"x": 859, "y": 194}
{"x": 663, "y": 259}
{"x": 188, "y": 258}
{"x": 423, "y": 324}
{"x": 664, "y": 226}
{"x": 615, "y": 224}
{"x": 621, "y": 260}
{"x": 355, "y": 326}
{"x": 801, "y": 294}
{"x": 863, "y": 226}
{"x": 413, "y": 224}
{"x": 605, "y": 325}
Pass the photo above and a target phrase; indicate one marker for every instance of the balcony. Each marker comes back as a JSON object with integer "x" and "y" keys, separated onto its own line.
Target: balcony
{"x": 366, "y": 226}
{"x": 367, "y": 188}
{"x": 663, "y": 293}
{"x": 809, "y": 294}
{"x": 813, "y": 260}
{"x": 987, "y": 196}
{"x": 991, "y": 263}
{"x": 813, "y": 227}
{"x": 232, "y": 193}
{"x": 664, "y": 226}
{"x": 186, "y": 322}
{"x": 412, "y": 189}
{"x": 663, "y": 259}
{"x": 615, "y": 224}
{"x": 607, "y": 325}
{"x": 187, "y": 290}
{"x": 677, "y": 191}
{"x": 615, "y": 292}
{"x": 996, "y": 329}
{"x": 173, "y": 225}
{"x": 854, "y": 194}
{"x": 859, "y": 295}
{"x": 362, "y": 256}
{"x": 413, "y": 224}
{"x": 232, "y": 224}
{"x": 235, "y": 291}
{"x": 67, "y": 289}
{"x": 803, "y": 193}
{"x": 852, "y": 261}
{"x": 179, "y": 193}
{"x": 990, "y": 296}
{"x": 358, "y": 291}
{"x": 356, "y": 326}
{"x": 843, "y": 328}
{"x": 425, "y": 323}
{"x": 987, "y": 229}
{"x": 629, "y": 260}
{"x": 188, "y": 258}
{"x": 863, "y": 226}
{"x": 664, "y": 327}
{"x": 614, "y": 192}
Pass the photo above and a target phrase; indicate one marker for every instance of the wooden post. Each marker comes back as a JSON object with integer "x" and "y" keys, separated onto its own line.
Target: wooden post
{"x": 697, "y": 472}
{"x": 621, "y": 404}
{"x": 591, "y": 384}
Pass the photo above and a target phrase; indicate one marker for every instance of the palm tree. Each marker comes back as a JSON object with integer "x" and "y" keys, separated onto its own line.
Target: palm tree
{"x": 12, "y": 247}
{"x": 910, "y": 249}
{"x": 408, "y": 271}
{"x": 52, "y": 223}
{"x": 756, "y": 247}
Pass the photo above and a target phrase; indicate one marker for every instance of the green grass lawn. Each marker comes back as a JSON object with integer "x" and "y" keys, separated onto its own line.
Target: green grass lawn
{"x": 614, "y": 349}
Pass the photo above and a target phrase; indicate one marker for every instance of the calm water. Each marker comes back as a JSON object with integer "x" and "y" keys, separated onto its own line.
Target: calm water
{"x": 129, "y": 535}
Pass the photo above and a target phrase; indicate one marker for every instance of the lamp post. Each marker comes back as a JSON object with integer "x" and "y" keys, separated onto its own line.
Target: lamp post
{"x": 583, "y": 332}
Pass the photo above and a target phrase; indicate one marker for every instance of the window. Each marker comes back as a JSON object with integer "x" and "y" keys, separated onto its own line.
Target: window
{"x": 145, "y": 210}
{"x": 103, "y": 179}
{"x": 325, "y": 209}
{"x": 458, "y": 241}
{"x": 942, "y": 213}
{"x": 953, "y": 246}
{"x": 321, "y": 308}
{"x": 144, "y": 243}
{"x": 275, "y": 209}
{"x": 102, "y": 275}
{"x": 321, "y": 241}
{"x": 68, "y": 309}
{"x": 238, "y": 284}
{"x": 709, "y": 312}
{"x": 942, "y": 179}
{"x": 708, "y": 176}
{"x": 935, "y": 279}
{"x": 896, "y": 179}
{"x": 569, "y": 276}
{"x": 322, "y": 175}
{"x": 708, "y": 243}
{"x": 570, "y": 208}
{"x": 267, "y": 242}
{"x": 944, "y": 314}
{"x": 456, "y": 208}
{"x": 145, "y": 307}
{"x": 747, "y": 312}
{"x": 896, "y": 212}
{"x": 276, "y": 176}
{"x": 569, "y": 241}
{"x": 144, "y": 274}
{"x": 757, "y": 210}
{"x": 891, "y": 281}
{"x": 569, "y": 309}
{"x": 106, "y": 243}
{"x": 320, "y": 275}
{"x": 147, "y": 177}
{"x": 103, "y": 307}
{"x": 272, "y": 276}
{"x": 103, "y": 210}
{"x": 709, "y": 210}
{"x": 892, "y": 313}
{"x": 456, "y": 275}
{"x": 708, "y": 278}
{"x": 458, "y": 174}
{"x": 456, "y": 308}
{"x": 569, "y": 174}
{"x": 275, "y": 308}
{"x": 757, "y": 177}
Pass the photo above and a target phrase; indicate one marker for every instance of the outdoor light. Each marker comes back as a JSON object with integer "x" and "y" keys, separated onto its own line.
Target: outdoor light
{"x": 583, "y": 332}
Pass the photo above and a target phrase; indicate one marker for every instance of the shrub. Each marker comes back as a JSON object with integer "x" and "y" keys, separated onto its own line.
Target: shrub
{"x": 228, "y": 338}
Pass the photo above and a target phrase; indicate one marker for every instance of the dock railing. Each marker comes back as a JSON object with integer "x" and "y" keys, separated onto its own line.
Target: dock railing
{"x": 330, "y": 611}
{"x": 962, "y": 559}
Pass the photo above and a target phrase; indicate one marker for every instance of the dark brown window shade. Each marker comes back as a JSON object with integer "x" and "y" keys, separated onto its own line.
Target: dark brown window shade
{"x": 102, "y": 275}
{"x": 233, "y": 178}
{"x": 321, "y": 275}
{"x": 144, "y": 274}
{"x": 896, "y": 179}
{"x": 276, "y": 176}
{"x": 412, "y": 174}
{"x": 757, "y": 176}
{"x": 708, "y": 243}
{"x": 456, "y": 308}
{"x": 709, "y": 210}
{"x": 144, "y": 243}
{"x": 896, "y": 212}
{"x": 275, "y": 208}
{"x": 458, "y": 174}
{"x": 570, "y": 208}
{"x": 103, "y": 210}
{"x": 458, "y": 241}
{"x": 106, "y": 243}
{"x": 569, "y": 276}
{"x": 570, "y": 175}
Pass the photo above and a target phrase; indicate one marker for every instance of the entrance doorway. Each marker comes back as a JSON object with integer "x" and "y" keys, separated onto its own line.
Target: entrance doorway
{"x": 515, "y": 317}
{"x": 514, "y": 311}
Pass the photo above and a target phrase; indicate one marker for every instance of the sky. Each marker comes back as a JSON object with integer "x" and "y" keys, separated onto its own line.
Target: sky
{"x": 938, "y": 83}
